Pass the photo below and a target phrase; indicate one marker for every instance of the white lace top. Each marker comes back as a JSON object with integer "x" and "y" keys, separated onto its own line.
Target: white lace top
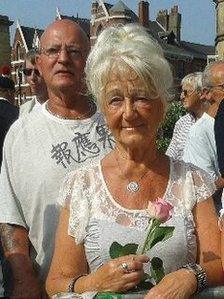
{"x": 97, "y": 220}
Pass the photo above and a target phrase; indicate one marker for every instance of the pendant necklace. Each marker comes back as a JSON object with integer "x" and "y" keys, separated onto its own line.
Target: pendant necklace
{"x": 132, "y": 186}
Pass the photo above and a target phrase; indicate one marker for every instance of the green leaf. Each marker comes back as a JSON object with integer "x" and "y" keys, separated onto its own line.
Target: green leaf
{"x": 130, "y": 248}
{"x": 108, "y": 295}
{"x": 157, "y": 270}
{"x": 144, "y": 285}
{"x": 116, "y": 250}
{"x": 159, "y": 234}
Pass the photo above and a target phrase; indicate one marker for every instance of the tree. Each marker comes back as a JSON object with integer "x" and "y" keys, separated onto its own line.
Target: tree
{"x": 174, "y": 112}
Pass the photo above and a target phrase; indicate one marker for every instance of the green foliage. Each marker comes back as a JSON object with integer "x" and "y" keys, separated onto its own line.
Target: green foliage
{"x": 162, "y": 144}
{"x": 157, "y": 270}
{"x": 174, "y": 112}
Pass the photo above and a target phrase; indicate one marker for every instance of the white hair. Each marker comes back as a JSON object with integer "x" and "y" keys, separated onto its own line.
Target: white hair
{"x": 194, "y": 79}
{"x": 207, "y": 75}
{"x": 128, "y": 46}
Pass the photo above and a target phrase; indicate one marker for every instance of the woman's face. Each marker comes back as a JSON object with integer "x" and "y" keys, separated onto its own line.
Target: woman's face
{"x": 132, "y": 116}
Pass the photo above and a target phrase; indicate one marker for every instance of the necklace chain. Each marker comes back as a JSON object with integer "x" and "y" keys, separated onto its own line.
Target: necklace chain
{"x": 91, "y": 109}
{"x": 132, "y": 186}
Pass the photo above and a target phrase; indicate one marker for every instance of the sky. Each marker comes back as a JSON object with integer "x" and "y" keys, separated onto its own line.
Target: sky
{"x": 198, "y": 16}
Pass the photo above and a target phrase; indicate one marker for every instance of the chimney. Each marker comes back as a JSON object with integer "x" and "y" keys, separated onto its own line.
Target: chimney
{"x": 175, "y": 22}
{"x": 143, "y": 13}
{"x": 163, "y": 19}
{"x": 94, "y": 7}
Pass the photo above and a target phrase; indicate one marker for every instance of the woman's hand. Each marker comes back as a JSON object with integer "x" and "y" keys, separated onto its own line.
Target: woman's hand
{"x": 180, "y": 284}
{"x": 120, "y": 274}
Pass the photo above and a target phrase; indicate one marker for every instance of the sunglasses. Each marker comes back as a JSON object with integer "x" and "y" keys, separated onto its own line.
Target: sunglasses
{"x": 28, "y": 72}
{"x": 217, "y": 86}
{"x": 187, "y": 92}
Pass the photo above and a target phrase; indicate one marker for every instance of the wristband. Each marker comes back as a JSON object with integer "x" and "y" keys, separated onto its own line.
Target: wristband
{"x": 201, "y": 276}
{"x": 72, "y": 283}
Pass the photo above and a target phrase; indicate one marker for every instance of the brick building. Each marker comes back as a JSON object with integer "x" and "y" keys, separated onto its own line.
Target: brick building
{"x": 184, "y": 57}
{"x": 5, "y": 49}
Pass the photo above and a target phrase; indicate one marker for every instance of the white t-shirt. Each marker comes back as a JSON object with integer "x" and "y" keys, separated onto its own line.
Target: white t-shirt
{"x": 40, "y": 149}
{"x": 200, "y": 148}
{"x": 180, "y": 135}
{"x": 30, "y": 106}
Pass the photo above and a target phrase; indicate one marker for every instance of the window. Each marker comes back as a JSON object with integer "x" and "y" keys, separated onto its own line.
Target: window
{"x": 18, "y": 51}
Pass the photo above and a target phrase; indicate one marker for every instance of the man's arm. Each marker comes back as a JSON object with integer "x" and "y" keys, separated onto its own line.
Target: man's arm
{"x": 15, "y": 245}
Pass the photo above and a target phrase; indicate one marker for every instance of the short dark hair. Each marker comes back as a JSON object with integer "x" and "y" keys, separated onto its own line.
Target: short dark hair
{"x": 7, "y": 83}
{"x": 31, "y": 56}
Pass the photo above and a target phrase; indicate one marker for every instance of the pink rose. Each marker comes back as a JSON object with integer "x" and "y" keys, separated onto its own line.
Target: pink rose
{"x": 160, "y": 209}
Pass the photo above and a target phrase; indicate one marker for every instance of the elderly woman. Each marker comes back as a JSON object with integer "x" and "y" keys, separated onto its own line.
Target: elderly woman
{"x": 106, "y": 202}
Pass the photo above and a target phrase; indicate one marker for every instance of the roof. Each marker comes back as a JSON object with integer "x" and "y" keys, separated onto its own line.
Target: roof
{"x": 83, "y": 23}
{"x": 120, "y": 7}
{"x": 198, "y": 50}
{"x": 28, "y": 33}
{"x": 108, "y": 6}
{"x": 183, "y": 49}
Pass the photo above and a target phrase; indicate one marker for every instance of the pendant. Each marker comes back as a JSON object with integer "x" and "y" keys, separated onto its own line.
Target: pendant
{"x": 133, "y": 187}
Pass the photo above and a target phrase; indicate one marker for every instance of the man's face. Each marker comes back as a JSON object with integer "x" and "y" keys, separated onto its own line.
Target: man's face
{"x": 34, "y": 79}
{"x": 63, "y": 56}
{"x": 216, "y": 91}
{"x": 190, "y": 97}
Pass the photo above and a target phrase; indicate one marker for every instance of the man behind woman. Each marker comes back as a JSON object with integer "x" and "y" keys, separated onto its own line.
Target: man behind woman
{"x": 129, "y": 76}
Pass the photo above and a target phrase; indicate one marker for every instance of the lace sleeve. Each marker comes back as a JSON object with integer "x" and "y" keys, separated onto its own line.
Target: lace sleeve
{"x": 203, "y": 184}
{"x": 73, "y": 196}
{"x": 188, "y": 185}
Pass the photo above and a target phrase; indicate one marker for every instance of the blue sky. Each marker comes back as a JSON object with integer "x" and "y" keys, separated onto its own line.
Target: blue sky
{"x": 198, "y": 16}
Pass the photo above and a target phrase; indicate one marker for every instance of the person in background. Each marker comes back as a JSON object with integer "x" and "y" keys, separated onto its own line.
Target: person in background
{"x": 200, "y": 148}
{"x": 191, "y": 98}
{"x": 8, "y": 114}
{"x": 40, "y": 149}
{"x": 36, "y": 83}
{"x": 128, "y": 74}
{"x": 6, "y": 71}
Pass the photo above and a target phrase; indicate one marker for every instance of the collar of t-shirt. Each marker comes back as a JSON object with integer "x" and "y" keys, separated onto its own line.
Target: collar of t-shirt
{"x": 37, "y": 104}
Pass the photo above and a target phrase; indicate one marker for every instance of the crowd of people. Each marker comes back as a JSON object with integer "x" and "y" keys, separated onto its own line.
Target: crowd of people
{"x": 80, "y": 169}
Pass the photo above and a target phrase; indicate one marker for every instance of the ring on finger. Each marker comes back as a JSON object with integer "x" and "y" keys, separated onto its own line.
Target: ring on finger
{"x": 124, "y": 266}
